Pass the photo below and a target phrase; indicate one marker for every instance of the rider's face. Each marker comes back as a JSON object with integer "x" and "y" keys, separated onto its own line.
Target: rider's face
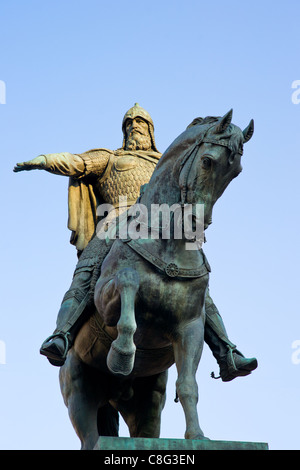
{"x": 137, "y": 134}
{"x": 136, "y": 125}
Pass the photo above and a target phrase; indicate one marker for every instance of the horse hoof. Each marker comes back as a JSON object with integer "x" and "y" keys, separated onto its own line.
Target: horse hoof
{"x": 118, "y": 363}
{"x": 198, "y": 437}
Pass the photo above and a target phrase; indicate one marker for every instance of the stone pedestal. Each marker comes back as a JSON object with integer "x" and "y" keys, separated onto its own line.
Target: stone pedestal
{"x": 146, "y": 444}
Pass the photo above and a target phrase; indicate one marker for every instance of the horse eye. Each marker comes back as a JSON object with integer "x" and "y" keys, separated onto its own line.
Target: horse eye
{"x": 206, "y": 163}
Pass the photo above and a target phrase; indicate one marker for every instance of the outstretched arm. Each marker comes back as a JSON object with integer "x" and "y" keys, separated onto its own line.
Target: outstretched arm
{"x": 66, "y": 164}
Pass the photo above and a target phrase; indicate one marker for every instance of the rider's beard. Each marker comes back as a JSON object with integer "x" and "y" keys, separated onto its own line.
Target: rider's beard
{"x": 137, "y": 141}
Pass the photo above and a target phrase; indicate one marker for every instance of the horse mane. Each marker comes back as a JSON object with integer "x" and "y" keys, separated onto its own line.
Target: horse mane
{"x": 206, "y": 120}
{"x": 232, "y": 134}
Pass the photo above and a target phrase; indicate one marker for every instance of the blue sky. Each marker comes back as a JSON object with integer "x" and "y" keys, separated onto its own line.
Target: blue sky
{"x": 72, "y": 69}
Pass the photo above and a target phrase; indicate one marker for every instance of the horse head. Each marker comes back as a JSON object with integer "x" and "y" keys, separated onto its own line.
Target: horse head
{"x": 202, "y": 162}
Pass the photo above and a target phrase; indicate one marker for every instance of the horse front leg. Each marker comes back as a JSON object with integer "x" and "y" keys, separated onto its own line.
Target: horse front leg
{"x": 115, "y": 302}
{"x": 187, "y": 350}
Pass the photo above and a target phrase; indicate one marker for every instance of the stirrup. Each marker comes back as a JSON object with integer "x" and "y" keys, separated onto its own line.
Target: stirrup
{"x": 229, "y": 369}
{"x": 229, "y": 361}
{"x": 64, "y": 336}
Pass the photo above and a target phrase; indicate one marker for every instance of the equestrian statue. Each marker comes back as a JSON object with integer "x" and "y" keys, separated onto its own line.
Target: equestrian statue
{"x": 137, "y": 305}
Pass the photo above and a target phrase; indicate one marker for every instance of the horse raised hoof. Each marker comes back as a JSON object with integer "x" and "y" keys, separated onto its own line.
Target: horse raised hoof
{"x": 120, "y": 359}
{"x": 119, "y": 362}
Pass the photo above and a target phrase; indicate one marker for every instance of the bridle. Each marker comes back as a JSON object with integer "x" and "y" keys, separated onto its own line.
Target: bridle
{"x": 171, "y": 269}
{"x": 189, "y": 158}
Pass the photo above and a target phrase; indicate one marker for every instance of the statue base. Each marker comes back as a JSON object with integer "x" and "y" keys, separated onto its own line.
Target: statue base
{"x": 149, "y": 444}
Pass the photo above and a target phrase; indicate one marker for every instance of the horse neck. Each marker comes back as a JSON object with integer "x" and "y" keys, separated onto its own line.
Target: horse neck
{"x": 163, "y": 188}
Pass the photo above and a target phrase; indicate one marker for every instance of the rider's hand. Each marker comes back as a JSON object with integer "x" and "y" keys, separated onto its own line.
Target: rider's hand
{"x": 37, "y": 163}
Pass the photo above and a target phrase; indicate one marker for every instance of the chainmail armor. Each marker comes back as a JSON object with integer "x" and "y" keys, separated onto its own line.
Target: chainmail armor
{"x": 125, "y": 182}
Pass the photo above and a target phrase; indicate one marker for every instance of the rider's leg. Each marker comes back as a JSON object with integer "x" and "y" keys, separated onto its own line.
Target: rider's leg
{"x": 74, "y": 310}
{"x": 67, "y": 325}
{"x": 231, "y": 361}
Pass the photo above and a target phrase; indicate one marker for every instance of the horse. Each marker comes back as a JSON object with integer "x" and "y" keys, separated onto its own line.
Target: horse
{"x": 149, "y": 300}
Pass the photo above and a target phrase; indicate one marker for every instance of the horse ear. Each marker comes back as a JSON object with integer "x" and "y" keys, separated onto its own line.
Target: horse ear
{"x": 248, "y": 132}
{"x": 224, "y": 123}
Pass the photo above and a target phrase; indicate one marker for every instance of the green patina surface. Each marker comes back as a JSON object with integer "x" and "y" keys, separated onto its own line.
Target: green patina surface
{"x": 138, "y": 304}
{"x": 126, "y": 443}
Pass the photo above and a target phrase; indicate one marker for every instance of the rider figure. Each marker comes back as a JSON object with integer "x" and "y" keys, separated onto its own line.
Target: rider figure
{"x": 101, "y": 176}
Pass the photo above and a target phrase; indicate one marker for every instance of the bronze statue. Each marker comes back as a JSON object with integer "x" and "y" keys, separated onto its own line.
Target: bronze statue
{"x": 102, "y": 175}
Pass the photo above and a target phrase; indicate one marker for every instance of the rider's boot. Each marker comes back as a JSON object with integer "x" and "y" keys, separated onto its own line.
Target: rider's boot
{"x": 232, "y": 363}
{"x": 56, "y": 346}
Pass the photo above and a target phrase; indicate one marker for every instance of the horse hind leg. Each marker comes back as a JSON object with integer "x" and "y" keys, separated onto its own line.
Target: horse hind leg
{"x": 108, "y": 421}
{"x": 83, "y": 395}
{"x": 120, "y": 359}
{"x": 142, "y": 412}
{"x": 187, "y": 350}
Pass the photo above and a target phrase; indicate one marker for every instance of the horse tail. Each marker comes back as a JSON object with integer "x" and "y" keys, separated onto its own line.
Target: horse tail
{"x": 120, "y": 359}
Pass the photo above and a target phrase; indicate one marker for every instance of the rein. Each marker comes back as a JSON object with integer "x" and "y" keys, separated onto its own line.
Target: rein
{"x": 171, "y": 269}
